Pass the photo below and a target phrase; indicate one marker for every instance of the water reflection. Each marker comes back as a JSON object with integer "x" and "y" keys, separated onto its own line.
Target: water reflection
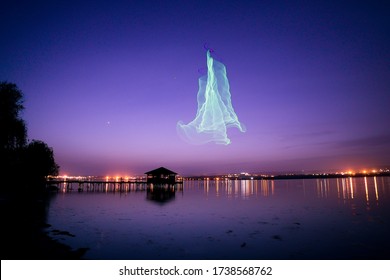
{"x": 161, "y": 193}
{"x": 340, "y": 188}
{"x": 344, "y": 218}
{"x": 351, "y": 188}
{"x": 371, "y": 188}
{"x": 242, "y": 189}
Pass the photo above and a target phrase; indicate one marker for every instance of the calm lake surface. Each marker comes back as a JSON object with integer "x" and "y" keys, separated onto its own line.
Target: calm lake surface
{"x": 345, "y": 218}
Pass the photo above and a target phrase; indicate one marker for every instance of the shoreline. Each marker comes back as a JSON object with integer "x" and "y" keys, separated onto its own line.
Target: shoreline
{"x": 24, "y": 236}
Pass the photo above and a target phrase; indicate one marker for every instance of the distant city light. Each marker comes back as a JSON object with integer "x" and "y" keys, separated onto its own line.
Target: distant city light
{"x": 229, "y": 176}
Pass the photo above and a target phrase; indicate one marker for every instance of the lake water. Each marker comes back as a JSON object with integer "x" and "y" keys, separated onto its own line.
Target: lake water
{"x": 345, "y": 218}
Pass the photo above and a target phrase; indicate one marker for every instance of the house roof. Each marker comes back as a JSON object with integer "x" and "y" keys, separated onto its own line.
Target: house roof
{"x": 161, "y": 170}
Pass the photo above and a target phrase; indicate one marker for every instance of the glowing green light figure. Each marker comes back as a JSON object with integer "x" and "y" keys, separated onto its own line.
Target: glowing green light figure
{"x": 215, "y": 111}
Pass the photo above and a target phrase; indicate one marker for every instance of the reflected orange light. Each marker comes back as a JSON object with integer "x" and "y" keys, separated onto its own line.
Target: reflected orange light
{"x": 351, "y": 186}
{"x": 376, "y": 189}
{"x": 366, "y": 189}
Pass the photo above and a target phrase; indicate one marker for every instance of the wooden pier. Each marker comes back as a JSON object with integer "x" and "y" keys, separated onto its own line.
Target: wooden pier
{"x": 101, "y": 186}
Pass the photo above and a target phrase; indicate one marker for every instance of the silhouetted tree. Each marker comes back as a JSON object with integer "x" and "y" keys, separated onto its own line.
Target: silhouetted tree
{"x": 13, "y": 128}
{"x": 39, "y": 162}
{"x": 13, "y": 131}
{"x": 24, "y": 164}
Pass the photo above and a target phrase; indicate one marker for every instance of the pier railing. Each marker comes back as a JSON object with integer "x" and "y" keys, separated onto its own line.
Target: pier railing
{"x": 66, "y": 185}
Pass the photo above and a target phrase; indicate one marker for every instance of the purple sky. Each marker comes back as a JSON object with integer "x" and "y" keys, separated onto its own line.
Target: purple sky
{"x": 105, "y": 82}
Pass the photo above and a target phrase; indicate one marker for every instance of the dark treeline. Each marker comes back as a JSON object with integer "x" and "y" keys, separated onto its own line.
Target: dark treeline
{"x": 25, "y": 164}
{"x": 23, "y": 200}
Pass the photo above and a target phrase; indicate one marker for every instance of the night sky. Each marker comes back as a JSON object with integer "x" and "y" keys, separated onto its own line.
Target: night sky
{"x": 105, "y": 82}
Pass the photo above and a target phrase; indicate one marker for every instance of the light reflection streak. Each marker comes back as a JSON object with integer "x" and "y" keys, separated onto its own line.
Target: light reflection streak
{"x": 255, "y": 187}
{"x": 247, "y": 190}
{"x": 230, "y": 189}
{"x": 236, "y": 188}
{"x": 264, "y": 188}
{"x": 207, "y": 186}
{"x": 322, "y": 188}
{"x": 217, "y": 188}
{"x": 366, "y": 189}
{"x": 376, "y": 189}
{"x": 338, "y": 188}
{"x": 351, "y": 186}
{"x": 348, "y": 188}
{"x": 244, "y": 189}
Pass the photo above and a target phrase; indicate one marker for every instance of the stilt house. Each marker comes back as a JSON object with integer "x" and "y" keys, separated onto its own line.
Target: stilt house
{"x": 161, "y": 176}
